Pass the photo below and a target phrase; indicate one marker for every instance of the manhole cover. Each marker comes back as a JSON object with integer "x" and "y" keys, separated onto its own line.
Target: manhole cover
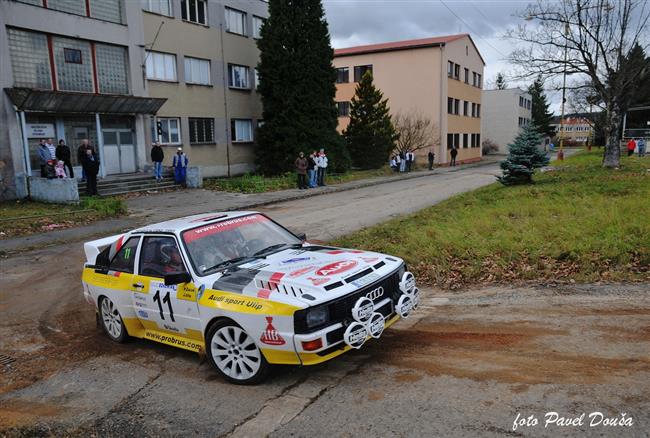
{"x": 6, "y": 360}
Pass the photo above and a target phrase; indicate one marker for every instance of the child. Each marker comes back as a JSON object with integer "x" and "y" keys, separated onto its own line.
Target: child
{"x": 59, "y": 169}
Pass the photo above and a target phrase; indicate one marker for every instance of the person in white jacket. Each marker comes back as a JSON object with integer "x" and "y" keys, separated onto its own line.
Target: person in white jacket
{"x": 321, "y": 162}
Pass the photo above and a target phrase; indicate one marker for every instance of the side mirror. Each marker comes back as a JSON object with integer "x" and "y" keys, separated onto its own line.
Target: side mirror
{"x": 101, "y": 270}
{"x": 177, "y": 278}
{"x": 302, "y": 236}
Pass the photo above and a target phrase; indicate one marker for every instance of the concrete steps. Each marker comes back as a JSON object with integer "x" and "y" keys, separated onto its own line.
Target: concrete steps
{"x": 128, "y": 183}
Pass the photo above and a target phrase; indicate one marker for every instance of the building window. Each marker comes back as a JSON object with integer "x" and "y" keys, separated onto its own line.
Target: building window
{"x": 467, "y": 76}
{"x": 30, "y": 59}
{"x": 76, "y": 76}
{"x": 194, "y": 11}
{"x": 450, "y": 105}
{"x": 343, "y": 108}
{"x": 161, "y": 66}
{"x": 77, "y": 7}
{"x": 473, "y": 110}
{"x": 162, "y": 7}
{"x": 360, "y": 70}
{"x": 256, "y": 78}
{"x": 342, "y": 75}
{"x": 201, "y": 131}
{"x": 456, "y": 106}
{"x": 465, "y": 108}
{"x": 478, "y": 82}
{"x": 521, "y": 101}
{"x": 108, "y": 10}
{"x": 167, "y": 130}
{"x": 450, "y": 69}
{"x": 72, "y": 56}
{"x": 465, "y": 141}
{"x": 473, "y": 140}
{"x": 197, "y": 71}
{"x": 474, "y": 78}
{"x": 235, "y": 21}
{"x": 478, "y": 140}
{"x": 456, "y": 71}
{"x": 453, "y": 140}
{"x": 478, "y": 110}
{"x": 241, "y": 130}
{"x": 112, "y": 69}
{"x": 257, "y": 26}
{"x": 238, "y": 76}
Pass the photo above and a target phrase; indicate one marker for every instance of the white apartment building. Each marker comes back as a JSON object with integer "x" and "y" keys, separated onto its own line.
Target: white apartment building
{"x": 505, "y": 112}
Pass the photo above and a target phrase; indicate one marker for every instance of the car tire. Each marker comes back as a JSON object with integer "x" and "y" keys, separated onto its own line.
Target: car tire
{"x": 234, "y": 354}
{"x": 111, "y": 321}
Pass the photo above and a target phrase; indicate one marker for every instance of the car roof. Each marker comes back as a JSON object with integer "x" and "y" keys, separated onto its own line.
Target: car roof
{"x": 187, "y": 222}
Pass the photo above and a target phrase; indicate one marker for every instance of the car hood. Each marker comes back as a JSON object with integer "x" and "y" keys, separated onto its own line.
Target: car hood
{"x": 311, "y": 275}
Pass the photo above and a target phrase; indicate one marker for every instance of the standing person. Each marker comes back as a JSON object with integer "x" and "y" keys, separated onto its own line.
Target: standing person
{"x": 90, "y": 166}
{"x": 410, "y": 158}
{"x": 63, "y": 154}
{"x": 311, "y": 170}
{"x": 431, "y": 156}
{"x": 44, "y": 156}
{"x": 301, "y": 169}
{"x": 81, "y": 153}
{"x": 157, "y": 157}
{"x": 322, "y": 167}
{"x": 180, "y": 166}
{"x": 453, "y": 154}
{"x": 641, "y": 144}
{"x": 51, "y": 147}
{"x": 402, "y": 162}
{"x": 398, "y": 162}
{"x": 631, "y": 145}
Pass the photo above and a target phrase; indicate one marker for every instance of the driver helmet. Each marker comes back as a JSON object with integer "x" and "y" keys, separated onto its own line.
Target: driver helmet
{"x": 168, "y": 250}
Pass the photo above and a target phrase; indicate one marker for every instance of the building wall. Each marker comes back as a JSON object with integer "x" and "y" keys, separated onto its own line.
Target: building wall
{"x": 501, "y": 114}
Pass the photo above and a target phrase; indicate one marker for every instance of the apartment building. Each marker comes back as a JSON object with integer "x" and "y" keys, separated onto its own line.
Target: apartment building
{"x": 439, "y": 78}
{"x": 576, "y": 130}
{"x": 124, "y": 73}
{"x": 505, "y": 112}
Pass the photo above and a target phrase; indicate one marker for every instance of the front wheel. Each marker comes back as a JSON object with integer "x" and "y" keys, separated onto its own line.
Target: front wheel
{"x": 235, "y": 355}
{"x": 112, "y": 321}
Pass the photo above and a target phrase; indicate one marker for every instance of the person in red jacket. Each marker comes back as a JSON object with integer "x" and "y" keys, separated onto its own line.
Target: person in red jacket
{"x": 631, "y": 145}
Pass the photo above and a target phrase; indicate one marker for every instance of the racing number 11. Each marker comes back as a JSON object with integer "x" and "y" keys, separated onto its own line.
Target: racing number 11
{"x": 166, "y": 300}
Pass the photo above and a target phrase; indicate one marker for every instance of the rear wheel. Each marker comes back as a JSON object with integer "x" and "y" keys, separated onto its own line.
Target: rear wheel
{"x": 111, "y": 320}
{"x": 235, "y": 355}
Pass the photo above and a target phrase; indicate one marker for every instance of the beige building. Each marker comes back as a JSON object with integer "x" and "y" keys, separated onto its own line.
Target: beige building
{"x": 201, "y": 55}
{"x": 576, "y": 131}
{"x": 440, "y": 78}
{"x": 505, "y": 112}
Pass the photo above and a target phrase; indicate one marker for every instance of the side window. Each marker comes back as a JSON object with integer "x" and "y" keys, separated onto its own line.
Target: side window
{"x": 124, "y": 260}
{"x": 160, "y": 256}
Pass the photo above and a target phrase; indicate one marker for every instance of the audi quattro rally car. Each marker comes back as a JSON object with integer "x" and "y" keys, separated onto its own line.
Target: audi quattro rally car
{"x": 244, "y": 290}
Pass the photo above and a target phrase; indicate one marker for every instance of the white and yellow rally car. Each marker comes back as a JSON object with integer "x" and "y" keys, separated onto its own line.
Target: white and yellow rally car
{"x": 244, "y": 290}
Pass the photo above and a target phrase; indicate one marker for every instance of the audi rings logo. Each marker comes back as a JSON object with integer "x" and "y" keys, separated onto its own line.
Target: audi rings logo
{"x": 375, "y": 293}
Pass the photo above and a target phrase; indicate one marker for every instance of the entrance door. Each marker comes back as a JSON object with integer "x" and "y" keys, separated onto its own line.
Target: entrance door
{"x": 119, "y": 151}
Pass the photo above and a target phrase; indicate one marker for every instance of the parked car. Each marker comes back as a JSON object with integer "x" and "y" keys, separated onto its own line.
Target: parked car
{"x": 244, "y": 290}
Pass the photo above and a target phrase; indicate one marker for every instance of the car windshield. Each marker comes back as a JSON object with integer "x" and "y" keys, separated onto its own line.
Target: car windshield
{"x": 222, "y": 244}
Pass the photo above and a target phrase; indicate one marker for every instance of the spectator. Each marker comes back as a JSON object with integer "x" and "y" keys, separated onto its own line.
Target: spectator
{"x": 63, "y": 154}
{"x": 410, "y": 158}
{"x": 90, "y": 166}
{"x": 398, "y": 162}
{"x": 402, "y": 162}
{"x": 180, "y": 166}
{"x": 312, "y": 169}
{"x": 631, "y": 145}
{"x": 301, "y": 170}
{"x": 641, "y": 145}
{"x": 393, "y": 164}
{"x": 59, "y": 169}
{"x": 157, "y": 157}
{"x": 51, "y": 147}
{"x": 453, "y": 154}
{"x": 322, "y": 167}
{"x": 44, "y": 156}
{"x": 81, "y": 153}
{"x": 431, "y": 156}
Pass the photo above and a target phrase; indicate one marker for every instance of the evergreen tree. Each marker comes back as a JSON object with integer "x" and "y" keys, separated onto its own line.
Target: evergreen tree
{"x": 541, "y": 116}
{"x": 370, "y": 135}
{"x": 524, "y": 156}
{"x": 297, "y": 88}
{"x": 500, "y": 82}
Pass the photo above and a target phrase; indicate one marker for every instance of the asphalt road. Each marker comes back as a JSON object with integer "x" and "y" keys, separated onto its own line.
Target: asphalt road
{"x": 465, "y": 365}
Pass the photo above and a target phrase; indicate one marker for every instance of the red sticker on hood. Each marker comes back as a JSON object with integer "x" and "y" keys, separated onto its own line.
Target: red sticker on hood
{"x": 336, "y": 268}
{"x": 271, "y": 336}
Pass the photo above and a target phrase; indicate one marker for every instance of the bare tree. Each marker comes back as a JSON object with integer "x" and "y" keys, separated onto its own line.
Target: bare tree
{"x": 592, "y": 39}
{"x": 415, "y": 132}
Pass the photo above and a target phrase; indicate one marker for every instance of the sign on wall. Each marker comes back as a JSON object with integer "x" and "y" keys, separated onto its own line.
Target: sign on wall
{"x": 40, "y": 130}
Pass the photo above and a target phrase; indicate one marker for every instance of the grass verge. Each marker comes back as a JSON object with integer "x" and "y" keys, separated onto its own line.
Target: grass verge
{"x": 577, "y": 223}
{"x": 249, "y": 183}
{"x": 18, "y": 218}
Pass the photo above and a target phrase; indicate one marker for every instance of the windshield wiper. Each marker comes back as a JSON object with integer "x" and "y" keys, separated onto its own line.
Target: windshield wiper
{"x": 228, "y": 263}
{"x": 271, "y": 248}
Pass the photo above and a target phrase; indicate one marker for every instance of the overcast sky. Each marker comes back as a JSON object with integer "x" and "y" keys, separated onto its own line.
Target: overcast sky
{"x": 356, "y": 22}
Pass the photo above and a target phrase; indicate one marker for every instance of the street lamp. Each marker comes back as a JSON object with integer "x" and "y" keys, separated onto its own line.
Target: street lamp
{"x": 560, "y": 153}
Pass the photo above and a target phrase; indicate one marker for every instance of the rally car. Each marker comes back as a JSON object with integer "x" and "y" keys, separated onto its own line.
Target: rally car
{"x": 244, "y": 290}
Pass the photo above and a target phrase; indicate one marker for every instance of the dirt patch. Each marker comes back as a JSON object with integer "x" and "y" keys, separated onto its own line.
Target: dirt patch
{"x": 406, "y": 377}
{"x": 16, "y": 413}
{"x": 375, "y": 396}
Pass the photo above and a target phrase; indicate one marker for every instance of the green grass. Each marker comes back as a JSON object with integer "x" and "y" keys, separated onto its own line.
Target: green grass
{"x": 19, "y": 218}
{"x": 580, "y": 222}
{"x": 249, "y": 183}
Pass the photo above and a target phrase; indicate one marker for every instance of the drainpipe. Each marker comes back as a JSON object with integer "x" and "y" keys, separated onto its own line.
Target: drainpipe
{"x": 28, "y": 164}
{"x": 225, "y": 98}
{"x": 100, "y": 145}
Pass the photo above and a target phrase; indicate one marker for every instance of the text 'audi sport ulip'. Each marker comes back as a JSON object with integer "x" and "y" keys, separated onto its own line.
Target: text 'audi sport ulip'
{"x": 244, "y": 290}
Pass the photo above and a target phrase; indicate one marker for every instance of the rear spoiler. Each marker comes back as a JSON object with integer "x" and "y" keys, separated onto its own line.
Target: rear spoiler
{"x": 93, "y": 248}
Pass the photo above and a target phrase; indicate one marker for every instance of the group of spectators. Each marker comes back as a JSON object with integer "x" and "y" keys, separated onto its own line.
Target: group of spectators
{"x": 54, "y": 161}
{"x": 311, "y": 170}
{"x": 638, "y": 144}
{"x": 402, "y": 162}
{"x": 179, "y": 163}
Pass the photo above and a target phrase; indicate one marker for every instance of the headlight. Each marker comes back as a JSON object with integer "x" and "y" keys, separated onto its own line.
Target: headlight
{"x": 317, "y": 316}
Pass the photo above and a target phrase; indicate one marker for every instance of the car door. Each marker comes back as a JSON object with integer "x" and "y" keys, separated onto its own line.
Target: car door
{"x": 170, "y": 308}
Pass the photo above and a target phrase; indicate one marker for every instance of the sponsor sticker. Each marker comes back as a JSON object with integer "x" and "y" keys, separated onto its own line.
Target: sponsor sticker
{"x": 270, "y": 336}
{"x": 366, "y": 280}
{"x": 161, "y": 286}
{"x": 355, "y": 335}
{"x": 336, "y": 268}
{"x": 376, "y": 325}
{"x": 318, "y": 281}
{"x": 295, "y": 260}
{"x": 363, "y": 309}
{"x": 143, "y": 314}
{"x": 300, "y": 272}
